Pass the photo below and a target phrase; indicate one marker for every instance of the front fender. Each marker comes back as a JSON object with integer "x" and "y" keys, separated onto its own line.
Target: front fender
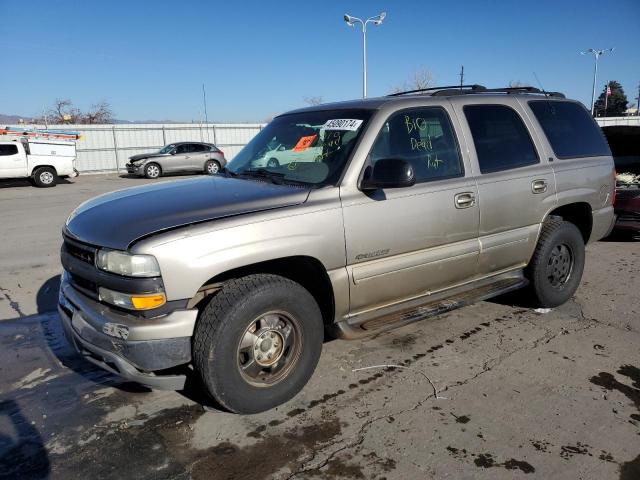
{"x": 191, "y": 256}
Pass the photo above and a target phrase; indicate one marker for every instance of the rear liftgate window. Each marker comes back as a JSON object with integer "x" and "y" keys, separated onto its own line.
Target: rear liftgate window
{"x": 502, "y": 141}
{"x": 570, "y": 129}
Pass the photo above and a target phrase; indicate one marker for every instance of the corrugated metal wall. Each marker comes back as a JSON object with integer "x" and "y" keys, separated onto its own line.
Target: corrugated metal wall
{"x": 106, "y": 148}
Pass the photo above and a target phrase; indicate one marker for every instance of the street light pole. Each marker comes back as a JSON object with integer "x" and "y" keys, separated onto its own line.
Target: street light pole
{"x": 596, "y": 54}
{"x": 351, "y": 21}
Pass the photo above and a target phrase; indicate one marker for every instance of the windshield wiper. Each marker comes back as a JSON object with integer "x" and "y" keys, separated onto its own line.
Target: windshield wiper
{"x": 275, "y": 177}
{"x": 228, "y": 172}
{"x": 278, "y": 178}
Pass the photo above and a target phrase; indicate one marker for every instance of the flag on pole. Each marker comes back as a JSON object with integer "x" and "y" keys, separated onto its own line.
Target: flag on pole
{"x": 608, "y": 90}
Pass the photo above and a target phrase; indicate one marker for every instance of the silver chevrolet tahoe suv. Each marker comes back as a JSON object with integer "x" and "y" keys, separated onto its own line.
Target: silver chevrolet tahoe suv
{"x": 395, "y": 209}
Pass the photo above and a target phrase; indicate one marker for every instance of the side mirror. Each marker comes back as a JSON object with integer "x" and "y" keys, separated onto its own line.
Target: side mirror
{"x": 389, "y": 173}
{"x": 172, "y": 152}
{"x": 281, "y": 148}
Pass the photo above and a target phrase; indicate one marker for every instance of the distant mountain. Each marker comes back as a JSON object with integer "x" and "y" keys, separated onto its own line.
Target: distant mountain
{"x": 11, "y": 119}
{"x": 15, "y": 119}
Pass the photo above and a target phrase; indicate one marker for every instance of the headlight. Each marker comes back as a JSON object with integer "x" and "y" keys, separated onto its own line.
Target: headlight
{"x": 132, "y": 301}
{"x": 124, "y": 263}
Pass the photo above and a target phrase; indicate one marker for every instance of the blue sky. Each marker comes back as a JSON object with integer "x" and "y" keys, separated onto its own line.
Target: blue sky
{"x": 258, "y": 58}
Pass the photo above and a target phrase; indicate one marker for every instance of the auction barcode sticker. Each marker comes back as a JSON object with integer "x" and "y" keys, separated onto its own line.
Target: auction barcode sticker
{"x": 342, "y": 124}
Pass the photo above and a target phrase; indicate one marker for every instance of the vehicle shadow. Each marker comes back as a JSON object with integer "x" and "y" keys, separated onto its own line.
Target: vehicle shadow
{"x": 26, "y": 182}
{"x": 164, "y": 175}
{"x": 622, "y": 236}
{"x": 22, "y": 455}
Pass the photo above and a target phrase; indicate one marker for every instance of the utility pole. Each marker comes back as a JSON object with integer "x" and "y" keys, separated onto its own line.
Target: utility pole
{"x": 606, "y": 98}
{"x": 638, "y": 99}
{"x": 461, "y": 74}
{"x": 204, "y": 101}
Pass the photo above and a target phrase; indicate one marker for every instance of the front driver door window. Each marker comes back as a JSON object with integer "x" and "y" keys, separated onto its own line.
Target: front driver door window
{"x": 404, "y": 242}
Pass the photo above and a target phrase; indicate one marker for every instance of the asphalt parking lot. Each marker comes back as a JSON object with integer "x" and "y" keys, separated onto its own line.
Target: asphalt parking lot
{"x": 491, "y": 391}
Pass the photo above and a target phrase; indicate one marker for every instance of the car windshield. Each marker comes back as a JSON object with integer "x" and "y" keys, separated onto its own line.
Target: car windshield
{"x": 310, "y": 148}
{"x": 167, "y": 149}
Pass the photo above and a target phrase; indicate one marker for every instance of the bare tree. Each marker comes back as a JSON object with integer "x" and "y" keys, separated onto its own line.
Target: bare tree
{"x": 99, "y": 113}
{"x": 317, "y": 100}
{"x": 419, "y": 79}
{"x": 63, "y": 112}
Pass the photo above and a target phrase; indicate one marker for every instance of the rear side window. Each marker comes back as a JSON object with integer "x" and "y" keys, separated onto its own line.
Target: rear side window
{"x": 424, "y": 137}
{"x": 198, "y": 147}
{"x": 502, "y": 141}
{"x": 8, "y": 150}
{"x": 570, "y": 129}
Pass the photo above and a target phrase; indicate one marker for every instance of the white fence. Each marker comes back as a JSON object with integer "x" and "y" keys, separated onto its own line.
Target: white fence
{"x": 106, "y": 148}
{"x": 618, "y": 121}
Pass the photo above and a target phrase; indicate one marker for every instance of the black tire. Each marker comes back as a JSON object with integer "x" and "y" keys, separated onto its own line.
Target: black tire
{"x": 152, "y": 170}
{"x": 211, "y": 167}
{"x": 45, "y": 177}
{"x": 557, "y": 264}
{"x": 273, "y": 163}
{"x": 225, "y": 323}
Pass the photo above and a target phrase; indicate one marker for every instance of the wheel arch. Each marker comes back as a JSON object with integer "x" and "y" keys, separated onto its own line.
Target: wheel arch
{"x": 305, "y": 270}
{"x": 578, "y": 213}
{"x": 37, "y": 167}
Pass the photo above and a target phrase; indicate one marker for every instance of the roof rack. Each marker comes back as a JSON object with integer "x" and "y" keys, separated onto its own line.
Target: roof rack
{"x": 475, "y": 89}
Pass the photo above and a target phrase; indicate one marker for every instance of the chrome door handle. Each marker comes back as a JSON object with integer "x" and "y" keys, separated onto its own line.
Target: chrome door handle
{"x": 464, "y": 200}
{"x": 539, "y": 186}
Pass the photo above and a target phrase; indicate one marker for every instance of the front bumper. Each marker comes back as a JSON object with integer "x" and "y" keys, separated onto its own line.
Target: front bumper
{"x": 132, "y": 347}
{"x": 135, "y": 168}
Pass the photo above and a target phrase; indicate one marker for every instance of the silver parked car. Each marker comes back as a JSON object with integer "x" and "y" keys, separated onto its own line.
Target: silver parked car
{"x": 394, "y": 210}
{"x": 178, "y": 157}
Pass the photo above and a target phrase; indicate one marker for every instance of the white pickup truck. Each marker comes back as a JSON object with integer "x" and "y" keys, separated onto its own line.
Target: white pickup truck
{"x": 42, "y": 160}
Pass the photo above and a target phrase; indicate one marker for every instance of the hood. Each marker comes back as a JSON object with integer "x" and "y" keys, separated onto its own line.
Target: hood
{"x": 116, "y": 220}
{"x": 142, "y": 156}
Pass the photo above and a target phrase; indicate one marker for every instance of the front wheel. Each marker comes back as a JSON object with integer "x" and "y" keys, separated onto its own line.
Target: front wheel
{"x": 556, "y": 268}
{"x": 45, "y": 177}
{"x": 258, "y": 342}
{"x": 152, "y": 170}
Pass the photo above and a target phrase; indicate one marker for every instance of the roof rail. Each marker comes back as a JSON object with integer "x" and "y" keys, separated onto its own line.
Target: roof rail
{"x": 461, "y": 88}
{"x": 476, "y": 89}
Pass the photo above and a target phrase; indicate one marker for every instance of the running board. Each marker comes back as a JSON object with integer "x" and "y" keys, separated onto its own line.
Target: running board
{"x": 432, "y": 309}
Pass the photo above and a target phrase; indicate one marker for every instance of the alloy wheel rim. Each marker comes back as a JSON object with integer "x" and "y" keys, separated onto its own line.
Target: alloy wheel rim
{"x": 269, "y": 348}
{"x": 560, "y": 265}
{"x": 213, "y": 167}
{"x": 46, "y": 177}
{"x": 153, "y": 171}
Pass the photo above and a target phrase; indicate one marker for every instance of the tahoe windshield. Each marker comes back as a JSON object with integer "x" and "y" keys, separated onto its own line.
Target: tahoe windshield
{"x": 308, "y": 148}
{"x": 167, "y": 149}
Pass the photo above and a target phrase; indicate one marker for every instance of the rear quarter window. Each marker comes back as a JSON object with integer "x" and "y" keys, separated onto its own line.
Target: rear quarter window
{"x": 570, "y": 129}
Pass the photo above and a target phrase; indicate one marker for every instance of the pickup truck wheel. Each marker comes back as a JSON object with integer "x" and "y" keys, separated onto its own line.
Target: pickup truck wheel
{"x": 273, "y": 163}
{"x": 257, "y": 342}
{"x": 556, "y": 268}
{"x": 45, "y": 177}
{"x": 211, "y": 167}
{"x": 152, "y": 170}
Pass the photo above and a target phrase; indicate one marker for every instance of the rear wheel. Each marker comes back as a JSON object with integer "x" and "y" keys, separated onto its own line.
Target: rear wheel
{"x": 556, "y": 268}
{"x": 258, "y": 342}
{"x": 45, "y": 177}
{"x": 152, "y": 170}
{"x": 211, "y": 167}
